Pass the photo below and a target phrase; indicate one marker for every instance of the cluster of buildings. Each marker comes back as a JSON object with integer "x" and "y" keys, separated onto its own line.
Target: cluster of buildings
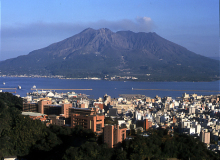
{"x": 120, "y": 78}
{"x": 107, "y": 77}
{"x": 118, "y": 119}
{"x": 32, "y": 76}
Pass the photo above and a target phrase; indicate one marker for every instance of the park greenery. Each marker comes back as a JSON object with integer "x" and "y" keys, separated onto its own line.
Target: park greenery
{"x": 30, "y": 139}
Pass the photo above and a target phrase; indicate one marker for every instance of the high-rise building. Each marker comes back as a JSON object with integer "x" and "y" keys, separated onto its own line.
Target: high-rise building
{"x": 41, "y": 104}
{"x": 65, "y": 109}
{"x": 205, "y": 136}
{"x": 114, "y": 135}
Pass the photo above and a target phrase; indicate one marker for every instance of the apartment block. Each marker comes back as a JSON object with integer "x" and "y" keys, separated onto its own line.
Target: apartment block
{"x": 46, "y": 107}
{"x": 65, "y": 110}
{"x": 205, "y": 136}
{"x": 143, "y": 123}
{"x": 51, "y": 109}
{"x": 93, "y": 122}
{"x": 114, "y": 135}
{"x": 30, "y": 107}
{"x": 83, "y": 111}
{"x": 41, "y": 104}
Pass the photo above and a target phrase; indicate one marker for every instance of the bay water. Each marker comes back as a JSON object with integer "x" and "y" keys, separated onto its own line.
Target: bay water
{"x": 112, "y": 88}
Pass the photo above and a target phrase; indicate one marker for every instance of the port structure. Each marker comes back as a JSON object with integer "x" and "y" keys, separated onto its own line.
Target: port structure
{"x": 62, "y": 89}
{"x": 8, "y": 88}
{"x": 175, "y": 90}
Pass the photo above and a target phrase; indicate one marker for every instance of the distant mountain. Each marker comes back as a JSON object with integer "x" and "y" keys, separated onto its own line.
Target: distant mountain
{"x": 103, "y": 53}
{"x": 216, "y": 58}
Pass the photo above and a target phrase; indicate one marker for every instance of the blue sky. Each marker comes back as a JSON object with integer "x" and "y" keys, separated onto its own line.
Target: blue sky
{"x": 29, "y": 25}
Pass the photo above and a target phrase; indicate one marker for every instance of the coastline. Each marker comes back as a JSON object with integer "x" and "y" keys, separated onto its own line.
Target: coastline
{"x": 97, "y": 78}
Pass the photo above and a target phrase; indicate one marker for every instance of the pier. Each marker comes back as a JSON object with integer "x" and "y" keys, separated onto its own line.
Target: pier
{"x": 7, "y": 88}
{"x": 175, "y": 90}
{"x": 62, "y": 89}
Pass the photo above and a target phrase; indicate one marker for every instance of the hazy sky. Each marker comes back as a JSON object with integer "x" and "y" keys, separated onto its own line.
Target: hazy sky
{"x": 27, "y": 25}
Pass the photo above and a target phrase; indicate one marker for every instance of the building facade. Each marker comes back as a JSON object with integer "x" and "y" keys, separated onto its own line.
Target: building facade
{"x": 93, "y": 122}
{"x": 114, "y": 135}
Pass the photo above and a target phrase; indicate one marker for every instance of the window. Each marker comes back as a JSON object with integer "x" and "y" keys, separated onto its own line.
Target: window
{"x": 98, "y": 127}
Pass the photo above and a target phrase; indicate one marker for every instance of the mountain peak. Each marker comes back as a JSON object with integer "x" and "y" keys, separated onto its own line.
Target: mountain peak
{"x": 88, "y": 30}
{"x": 101, "y": 30}
{"x": 104, "y": 30}
{"x": 103, "y": 52}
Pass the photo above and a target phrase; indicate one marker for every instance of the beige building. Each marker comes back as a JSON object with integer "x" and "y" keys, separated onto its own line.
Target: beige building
{"x": 114, "y": 135}
{"x": 205, "y": 136}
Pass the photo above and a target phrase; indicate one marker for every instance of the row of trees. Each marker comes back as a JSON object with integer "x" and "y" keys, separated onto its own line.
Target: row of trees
{"x": 31, "y": 139}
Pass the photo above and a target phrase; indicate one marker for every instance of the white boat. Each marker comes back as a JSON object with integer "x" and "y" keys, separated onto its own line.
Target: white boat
{"x": 4, "y": 83}
{"x": 19, "y": 87}
{"x": 34, "y": 87}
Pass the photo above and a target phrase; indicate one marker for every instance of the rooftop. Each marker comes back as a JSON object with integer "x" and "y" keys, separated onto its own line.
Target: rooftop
{"x": 32, "y": 114}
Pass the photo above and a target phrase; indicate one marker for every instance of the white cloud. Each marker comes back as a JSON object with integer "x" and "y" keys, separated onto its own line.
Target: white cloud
{"x": 140, "y": 24}
{"x": 24, "y": 38}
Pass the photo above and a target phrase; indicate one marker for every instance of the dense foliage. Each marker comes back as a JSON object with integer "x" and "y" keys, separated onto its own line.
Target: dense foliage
{"x": 29, "y": 139}
{"x": 160, "y": 145}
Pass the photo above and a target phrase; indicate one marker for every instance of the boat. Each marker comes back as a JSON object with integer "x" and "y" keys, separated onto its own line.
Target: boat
{"x": 19, "y": 87}
{"x": 4, "y": 83}
{"x": 34, "y": 87}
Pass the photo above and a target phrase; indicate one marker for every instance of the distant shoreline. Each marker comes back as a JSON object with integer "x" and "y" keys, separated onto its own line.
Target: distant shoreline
{"x": 94, "y": 78}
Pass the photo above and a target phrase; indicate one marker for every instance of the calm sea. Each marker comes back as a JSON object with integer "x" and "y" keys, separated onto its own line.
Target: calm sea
{"x": 112, "y": 88}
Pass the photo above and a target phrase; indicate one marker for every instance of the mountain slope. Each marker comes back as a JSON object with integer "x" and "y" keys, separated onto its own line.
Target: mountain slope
{"x": 102, "y": 52}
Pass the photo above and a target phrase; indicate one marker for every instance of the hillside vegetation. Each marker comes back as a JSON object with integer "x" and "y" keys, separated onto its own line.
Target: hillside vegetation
{"x": 31, "y": 139}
